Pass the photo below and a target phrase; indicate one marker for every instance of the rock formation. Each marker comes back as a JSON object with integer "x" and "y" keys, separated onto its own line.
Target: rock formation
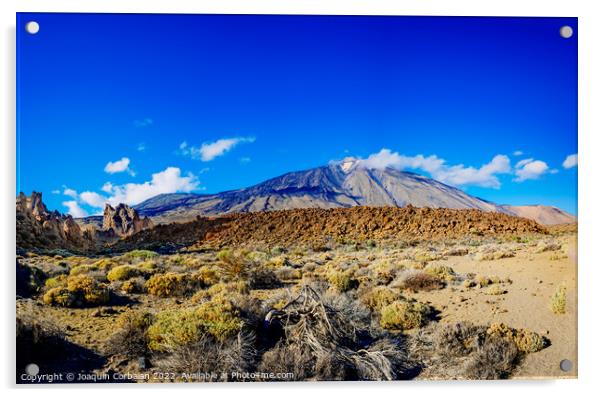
{"x": 124, "y": 220}
{"x": 37, "y": 227}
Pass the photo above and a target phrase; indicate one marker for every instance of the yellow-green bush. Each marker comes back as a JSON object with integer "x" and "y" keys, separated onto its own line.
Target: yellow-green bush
{"x": 105, "y": 264}
{"x": 558, "y": 301}
{"x": 404, "y": 314}
{"x": 442, "y": 272}
{"x": 59, "y": 296}
{"x": 208, "y": 276}
{"x": 140, "y": 255}
{"x": 173, "y": 328}
{"x": 221, "y": 289}
{"x": 58, "y": 281}
{"x": 526, "y": 341}
{"x": 378, "y": 297}
{"x": 133, "y": 286}
{"x": 83, "y": 269}
{"x": 123, "y": 272}
{"x": 171, "y": 284}
{"x": 88, "y": 290}
{"x": 427, "y": 256}
{"x": 495, "y": 290}
{"x": 342, "y": 281}
{"x": 80, "y": 290}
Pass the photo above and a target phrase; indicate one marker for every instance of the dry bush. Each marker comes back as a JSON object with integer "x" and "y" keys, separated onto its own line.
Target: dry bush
{"x": 327, "y": 337}
{"x": 526, "y": 341}
{"x": 208, "y": 356}
{"x": 419, "y": 281}
{"x": 130, "y": 339}
{"x": 263, "y": 278}
{"x": 490, "y": 254}
{"x": 235, "y": 265}
{"x": 547, "y": 246}
{"x": 288, "y": 274}
{"x": 37, "y": 341}
{"x": 134, "y": 286}
{"x": 558, "y": 301}
{"x": 464, "y": 351}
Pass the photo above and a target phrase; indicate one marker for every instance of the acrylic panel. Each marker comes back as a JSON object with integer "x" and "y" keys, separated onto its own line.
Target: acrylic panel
{"x": 295, "y": 198}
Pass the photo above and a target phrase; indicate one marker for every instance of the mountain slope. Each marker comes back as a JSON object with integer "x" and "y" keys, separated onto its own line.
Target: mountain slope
{"x": 545, "y": 215}
{"x": 336, "y": 185}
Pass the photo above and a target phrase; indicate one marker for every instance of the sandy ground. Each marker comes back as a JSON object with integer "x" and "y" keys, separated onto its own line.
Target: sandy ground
{"x": 525, "y": 305}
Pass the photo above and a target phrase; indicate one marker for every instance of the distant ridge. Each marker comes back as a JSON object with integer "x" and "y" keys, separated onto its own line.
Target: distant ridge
{"x": 338, "y": 185}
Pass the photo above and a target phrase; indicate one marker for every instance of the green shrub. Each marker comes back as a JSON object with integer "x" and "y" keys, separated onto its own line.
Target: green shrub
{"x": 83, "y": 269}
{"x": 404, "y": 314}
{"x": 123, "y": 272}
{"x": 80, "y": 290}
{"x": 171, "y": 329}
{"x": 558, "y": 301}
{"x": 342, "y": 281}
{"x": 59, "y": 296}
{"x": 133, "y": 286}
{"x": 58, "y": 281}
{"x": 442, "y": 272}
{"x": 172, "y": 284}
{"x": 88, "y": 290}
{"x": 378, "y": 297}
{"x": 140, "y": 255}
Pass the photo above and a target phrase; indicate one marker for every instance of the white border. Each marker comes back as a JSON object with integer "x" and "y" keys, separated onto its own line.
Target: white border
{"x": 590, "y": 110}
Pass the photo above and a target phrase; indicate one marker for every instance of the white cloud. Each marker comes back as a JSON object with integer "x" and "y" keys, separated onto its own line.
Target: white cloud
{"x": 107, "y": 187}
{"x": 517, "y": 153}
{"x": 122, "y": 165}
{"x": 93, "y": 199}
{"x": 70, "y": 192}
{"x": 529, "y": 169}
{"x": 141, "y": 147}
{"x": 74, "y": 209}
{"x": 210, "y": 150}
{"x": 570, "y": 161}
{"x": 458, "y": 175}
{"x": 169, "y": 180}
{"x": 56, "y": 191}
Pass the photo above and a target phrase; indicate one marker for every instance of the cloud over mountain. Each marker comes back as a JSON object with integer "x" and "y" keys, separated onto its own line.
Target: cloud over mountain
{"x": 457, "y": 175}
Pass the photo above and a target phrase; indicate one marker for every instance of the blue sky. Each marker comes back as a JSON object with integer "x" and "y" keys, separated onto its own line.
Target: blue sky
{"x": 122, "y": 107}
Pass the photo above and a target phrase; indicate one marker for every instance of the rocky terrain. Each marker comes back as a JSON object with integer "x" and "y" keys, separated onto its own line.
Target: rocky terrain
{"x": 124, "y": 221}
{"x": 37, "y": 227}
{"x": 337, "y": 185}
